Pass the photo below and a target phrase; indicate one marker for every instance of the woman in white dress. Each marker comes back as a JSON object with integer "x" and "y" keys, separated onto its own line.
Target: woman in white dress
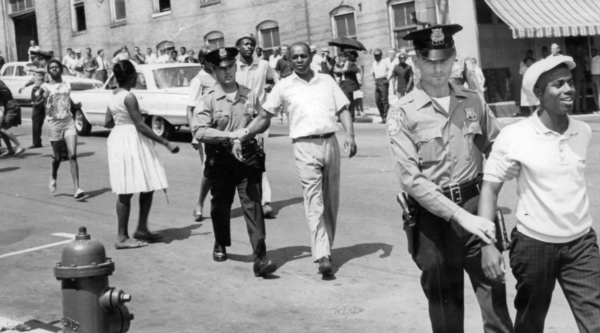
{"x": 61, "y": 125}
{"x": 132, "y": 159}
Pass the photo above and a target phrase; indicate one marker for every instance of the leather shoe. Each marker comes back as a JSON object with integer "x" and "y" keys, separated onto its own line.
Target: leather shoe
{"x": 34, "y": 146}
{"x": 325, "y": 265}
{"x": 263, "y": 266}
{"x": 219, "y": 253}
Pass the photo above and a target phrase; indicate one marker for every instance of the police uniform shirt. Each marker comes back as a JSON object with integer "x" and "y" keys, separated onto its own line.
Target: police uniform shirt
{"x": 217, "y": 114}
{"x": 432, "y": 147}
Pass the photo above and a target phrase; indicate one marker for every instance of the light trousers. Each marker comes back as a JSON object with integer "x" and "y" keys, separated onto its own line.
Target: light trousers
{"x": 318, "y": 163}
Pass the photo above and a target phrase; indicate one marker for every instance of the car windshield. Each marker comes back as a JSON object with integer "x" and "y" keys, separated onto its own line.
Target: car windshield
{"x": 174, "y": 77}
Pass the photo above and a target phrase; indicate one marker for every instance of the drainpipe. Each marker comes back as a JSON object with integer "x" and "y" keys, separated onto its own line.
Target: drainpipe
{"x": 307, "y": 22}
{"x": 57, "y": 30}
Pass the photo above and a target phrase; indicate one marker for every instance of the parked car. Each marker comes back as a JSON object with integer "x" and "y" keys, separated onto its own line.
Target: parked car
{"x": 16, "y": 74}
{"x": 162, "y": 93}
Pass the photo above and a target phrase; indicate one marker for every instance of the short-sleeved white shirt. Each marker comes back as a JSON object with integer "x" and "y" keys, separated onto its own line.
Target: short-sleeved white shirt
{"x": 312, "y": 106}
{"x": 553, "y": 202}
{"x": 255, "y": 77}
{"x": 199, "y": 86}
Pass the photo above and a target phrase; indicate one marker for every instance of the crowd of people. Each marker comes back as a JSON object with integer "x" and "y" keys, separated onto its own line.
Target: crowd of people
{"x": 439, "y": 133}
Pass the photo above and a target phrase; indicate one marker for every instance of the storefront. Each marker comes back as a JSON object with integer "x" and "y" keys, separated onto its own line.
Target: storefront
{"x": 509, "y": 28}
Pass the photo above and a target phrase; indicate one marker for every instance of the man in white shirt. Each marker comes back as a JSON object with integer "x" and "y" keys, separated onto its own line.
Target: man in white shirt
{"x": 273, "y": 58}
{"x": 32, "y": 48}
{"x": 257, "y": 75}
{"x": 554, "y": 50}
{"x": 315, "y": 64}
{"x": 182, "y": 55}
{"x": 150, "y": 57}
{"x": 101, "y": 72}
{"x": 199, "y": 86}
{"x": 380, "y": 69}
{"x": 553, "y": 239}
{"x": 596, "y": 76}
{"x": 164, "y": 56}
{"x": 68, "y": 61}
{"x": 313, "y": 100}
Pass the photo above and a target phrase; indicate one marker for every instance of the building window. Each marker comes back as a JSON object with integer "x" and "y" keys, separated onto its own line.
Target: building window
{"x": 345, "y": 25}
{"x": 118, "y": 13}
{"x": 78, "y": 15}
{"x": 204, "y": 3}
{"x": 162, "y": 6}
{"x": 18, "y": 6}
{"x": 268, "y": 37}
{"x": 400, "y": 15}
{"x": 215, "y": 39}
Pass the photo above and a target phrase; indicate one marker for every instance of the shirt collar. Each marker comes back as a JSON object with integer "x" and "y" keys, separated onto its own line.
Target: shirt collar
{"x": 240, "y": 63}
{"x": 422, "y": 99}
{"x": 241, "y": 92}
{"x": 294, "y": 76}
{"x": 540, "y": 128}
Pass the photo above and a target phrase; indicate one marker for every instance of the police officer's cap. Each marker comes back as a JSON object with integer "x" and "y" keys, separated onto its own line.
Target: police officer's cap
{"x": 44, "y": 54}
{"x": 434, "y": 43}
{"x": 222, "y": 57}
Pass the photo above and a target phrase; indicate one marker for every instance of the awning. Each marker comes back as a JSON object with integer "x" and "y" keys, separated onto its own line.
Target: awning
{"x": 549, "y": 18}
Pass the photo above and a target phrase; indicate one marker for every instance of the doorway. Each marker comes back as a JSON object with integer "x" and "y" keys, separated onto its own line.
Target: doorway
{"x": 25, "y": 31}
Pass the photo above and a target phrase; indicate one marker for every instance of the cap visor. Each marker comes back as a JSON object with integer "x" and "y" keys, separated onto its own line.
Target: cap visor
{"x": 225, "y": 63}
{"x": 439, "y": 54}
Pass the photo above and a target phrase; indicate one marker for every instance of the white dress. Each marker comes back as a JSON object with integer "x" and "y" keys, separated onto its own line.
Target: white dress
{"x": 132, "y": 159}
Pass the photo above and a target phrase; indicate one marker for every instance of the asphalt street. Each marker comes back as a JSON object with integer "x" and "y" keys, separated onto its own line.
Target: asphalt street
{"x": 177, "y": 287}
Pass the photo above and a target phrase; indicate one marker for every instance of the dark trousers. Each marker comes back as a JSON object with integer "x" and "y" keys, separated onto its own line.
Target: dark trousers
{"x": 381, "y": 96}
{"x": 222, "y": 189}
{"x": 38, "y": 114}
{"x": 538, "y": 265}
{"x": 101, "y": 75}
{"x": 443, "y": 251}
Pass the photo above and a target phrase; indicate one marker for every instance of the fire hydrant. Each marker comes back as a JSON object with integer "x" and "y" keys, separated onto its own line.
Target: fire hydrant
{"x": 89, "y": 304}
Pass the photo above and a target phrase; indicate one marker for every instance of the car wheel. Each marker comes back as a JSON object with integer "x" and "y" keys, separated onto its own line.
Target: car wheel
{"x": 82, "y": 126}
{"x": 161, "y": 127}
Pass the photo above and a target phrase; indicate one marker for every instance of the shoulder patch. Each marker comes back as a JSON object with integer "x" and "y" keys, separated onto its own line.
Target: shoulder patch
{"x": 395, "y": 120}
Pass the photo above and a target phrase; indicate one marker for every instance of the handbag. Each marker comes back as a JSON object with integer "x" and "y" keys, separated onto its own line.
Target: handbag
{"x": 12, "y": 114}
{"x": 254, "y": 156}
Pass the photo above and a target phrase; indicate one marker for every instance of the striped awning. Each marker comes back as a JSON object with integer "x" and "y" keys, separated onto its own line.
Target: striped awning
{"x": 549, "y": 18}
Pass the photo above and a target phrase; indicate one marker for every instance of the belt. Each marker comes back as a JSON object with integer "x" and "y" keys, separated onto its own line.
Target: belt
{"x": 461, "y": 193}
{"x": 317, "y": 136}
{"x": 381, "y": 78}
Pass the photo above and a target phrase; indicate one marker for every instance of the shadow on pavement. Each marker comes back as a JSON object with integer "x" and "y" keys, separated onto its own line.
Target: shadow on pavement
{"x": 9, "y": 169}
{"x": 277, "y": 206}
{"x": 38, "y": 325}
{"x": 26, "y": 154}
{"x": 85, "y": 154}
{"x": 505, "y": 210}
{"x": 179, "y": 234}
{"x": 95, "y": 193}
{"x": 342, "y": 255}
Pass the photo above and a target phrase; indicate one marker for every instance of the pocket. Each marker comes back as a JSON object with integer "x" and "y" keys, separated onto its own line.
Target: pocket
{"x": 429, "y": 144}
{"x": 470, "y": 129}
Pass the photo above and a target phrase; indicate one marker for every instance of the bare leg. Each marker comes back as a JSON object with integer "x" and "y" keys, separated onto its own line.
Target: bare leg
{"x": 10, "y": 136}
{"x": 56, "y": 150}
{"x": 145, "y": 205}
{"x": 123, "y": 209}
{"x": 71, "y": 142}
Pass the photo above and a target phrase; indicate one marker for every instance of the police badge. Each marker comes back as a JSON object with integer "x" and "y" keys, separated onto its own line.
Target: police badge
{"x": 223, "y": 53}
{"x": 437, "y": 37}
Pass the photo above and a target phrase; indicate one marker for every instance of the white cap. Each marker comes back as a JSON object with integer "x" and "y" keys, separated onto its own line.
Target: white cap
{"x": 537, "y": 69}
{"x": 313, "y": 47}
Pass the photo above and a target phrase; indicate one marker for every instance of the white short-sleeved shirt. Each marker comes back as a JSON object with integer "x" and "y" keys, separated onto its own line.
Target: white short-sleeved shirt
{"x": 312, "y": 106}
{"x": 553, "y": 202}
{"x": 255, "y": 77}
{"x": 381, "y": 68}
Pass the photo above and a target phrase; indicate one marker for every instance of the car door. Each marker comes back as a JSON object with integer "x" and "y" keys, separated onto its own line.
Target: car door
{"x": 151, "y": 102}
{"x": 21, "y": 77}
{"x": 8, "y": 78}
{"x": 94, "y": 102}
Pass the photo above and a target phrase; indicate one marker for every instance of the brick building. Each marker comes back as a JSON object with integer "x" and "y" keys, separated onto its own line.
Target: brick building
{"x": 110, "y": 24}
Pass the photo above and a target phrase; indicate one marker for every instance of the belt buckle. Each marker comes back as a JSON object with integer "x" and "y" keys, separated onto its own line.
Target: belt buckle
{"x": 455, "y": 194}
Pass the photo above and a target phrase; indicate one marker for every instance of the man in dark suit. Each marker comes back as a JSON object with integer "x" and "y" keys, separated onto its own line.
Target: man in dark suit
{"x": 349, "y": 81}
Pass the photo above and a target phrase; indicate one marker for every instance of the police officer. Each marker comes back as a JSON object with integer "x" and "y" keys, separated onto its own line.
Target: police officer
{"x": 220, "y": 116}
{"x": 438, "y": 135}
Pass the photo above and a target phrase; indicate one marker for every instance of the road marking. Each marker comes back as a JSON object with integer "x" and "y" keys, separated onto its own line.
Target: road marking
{"x": 59, "y": 234}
